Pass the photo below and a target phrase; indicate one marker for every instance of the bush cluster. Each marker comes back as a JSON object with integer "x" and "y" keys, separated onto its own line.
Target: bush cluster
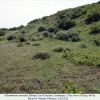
{"x": 95, "y": 28}
{"x": 11, "y": 37}
{"x": 41, "y": 28}
{"x": 89, "y": 58}
{"x": 69, "y": 35}
{"x": 66, "y": 24}
{"x": 93, "y": 17}
{"x": 51, "y": 29}
{"x": 96, "y": 41}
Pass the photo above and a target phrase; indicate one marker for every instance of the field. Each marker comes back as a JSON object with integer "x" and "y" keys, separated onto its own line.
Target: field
{"x": 18, "y": 67}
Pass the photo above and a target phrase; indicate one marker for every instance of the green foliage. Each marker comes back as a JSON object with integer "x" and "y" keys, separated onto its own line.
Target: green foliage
{"x": 44, "y": 18}
{"x": 58, "y": 49}
{"x": 69, "y": 35}
{"x": 21, "y": 38}
{"x": 77, "y": 13}
{"x": 34, "y": 38}
{"x": 13, "y": 29}
{"x": 72, "y": 89}
{"x": 66, "y": 24}
{"x": 40, "y": 38}
{"x": 34, "y": 21}
{"x": 45, "y": 34}
{"x": 95, "y": 28}
{"x": 11, "y": 37}
{"x": 89, "y": 58}
{"x": 41, "y": 28}
{"x": 42, "y": 55}
{"x": 2, "y": 33}
{"x": 93, "y": 16}
{"x": 51, "y": 29}
{"x": 96, "y": 41}
{"x": 23, "y": 31}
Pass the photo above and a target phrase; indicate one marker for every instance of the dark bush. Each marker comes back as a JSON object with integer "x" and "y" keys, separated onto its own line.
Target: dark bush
{"x": 92, "y": 17}
{"x": 66, "y": 24}
{"x": 41, "y": 28}
{"x": 36, "y": 44}
{"x": 69, "y": 35}
{"x": 58, "y": 49}
{"x": 21, "y": 38}
{"x": 13, "y": 29}
{"x": 11, "y": 37}
{"x": 96, "y": 41}
{"x": 41, "y": 55}
{"x": 51, "y": 29}
{"x": 2, "y": 33}
{"x": 45, "y": 34}
{"x": 95, "y": 28}
{"x": 23, "y": 32}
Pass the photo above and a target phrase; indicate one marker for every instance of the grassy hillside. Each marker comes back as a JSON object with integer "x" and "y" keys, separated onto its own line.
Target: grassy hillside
{"x": 53, "y": 53}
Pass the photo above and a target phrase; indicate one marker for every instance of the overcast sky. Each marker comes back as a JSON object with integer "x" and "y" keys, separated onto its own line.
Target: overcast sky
{"x": 14, "y": 13}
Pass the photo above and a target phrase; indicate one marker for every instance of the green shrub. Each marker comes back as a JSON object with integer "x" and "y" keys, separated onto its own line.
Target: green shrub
{"x": 22, "y": 39}
{"x": 96, "y": 41}
{"x": 40, "y": 38}
{"x": 69, "y": 35}
{"x": 41, "y": 55}
{"x": 11, "y": 37}
{"x": 34, "y": 38}
{"x": 23, "y": 32}
{"x": 66, "y": 24}
{"x": 41, "y": 28}
{"x": 70, "y": 88}
{"x": 45, "y": 34}
{"x": 50, "y": 35}
{"x": 93, "y": 16}
{"x": 58, "y": 49}
{"x": 95, "y": 28}
{"x": 2, "y": 33}
{"x": 51, "y": 29}
{"x": 88, "y": 58}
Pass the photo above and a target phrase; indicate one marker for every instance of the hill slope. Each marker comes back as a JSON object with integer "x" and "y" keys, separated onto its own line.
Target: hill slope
{"x": 51, "y": 52}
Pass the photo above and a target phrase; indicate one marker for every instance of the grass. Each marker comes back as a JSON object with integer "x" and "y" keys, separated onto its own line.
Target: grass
{"x": 49, "y": 76}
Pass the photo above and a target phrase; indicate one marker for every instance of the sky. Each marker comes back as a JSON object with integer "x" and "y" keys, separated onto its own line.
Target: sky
{"x": 14, "y": 13}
